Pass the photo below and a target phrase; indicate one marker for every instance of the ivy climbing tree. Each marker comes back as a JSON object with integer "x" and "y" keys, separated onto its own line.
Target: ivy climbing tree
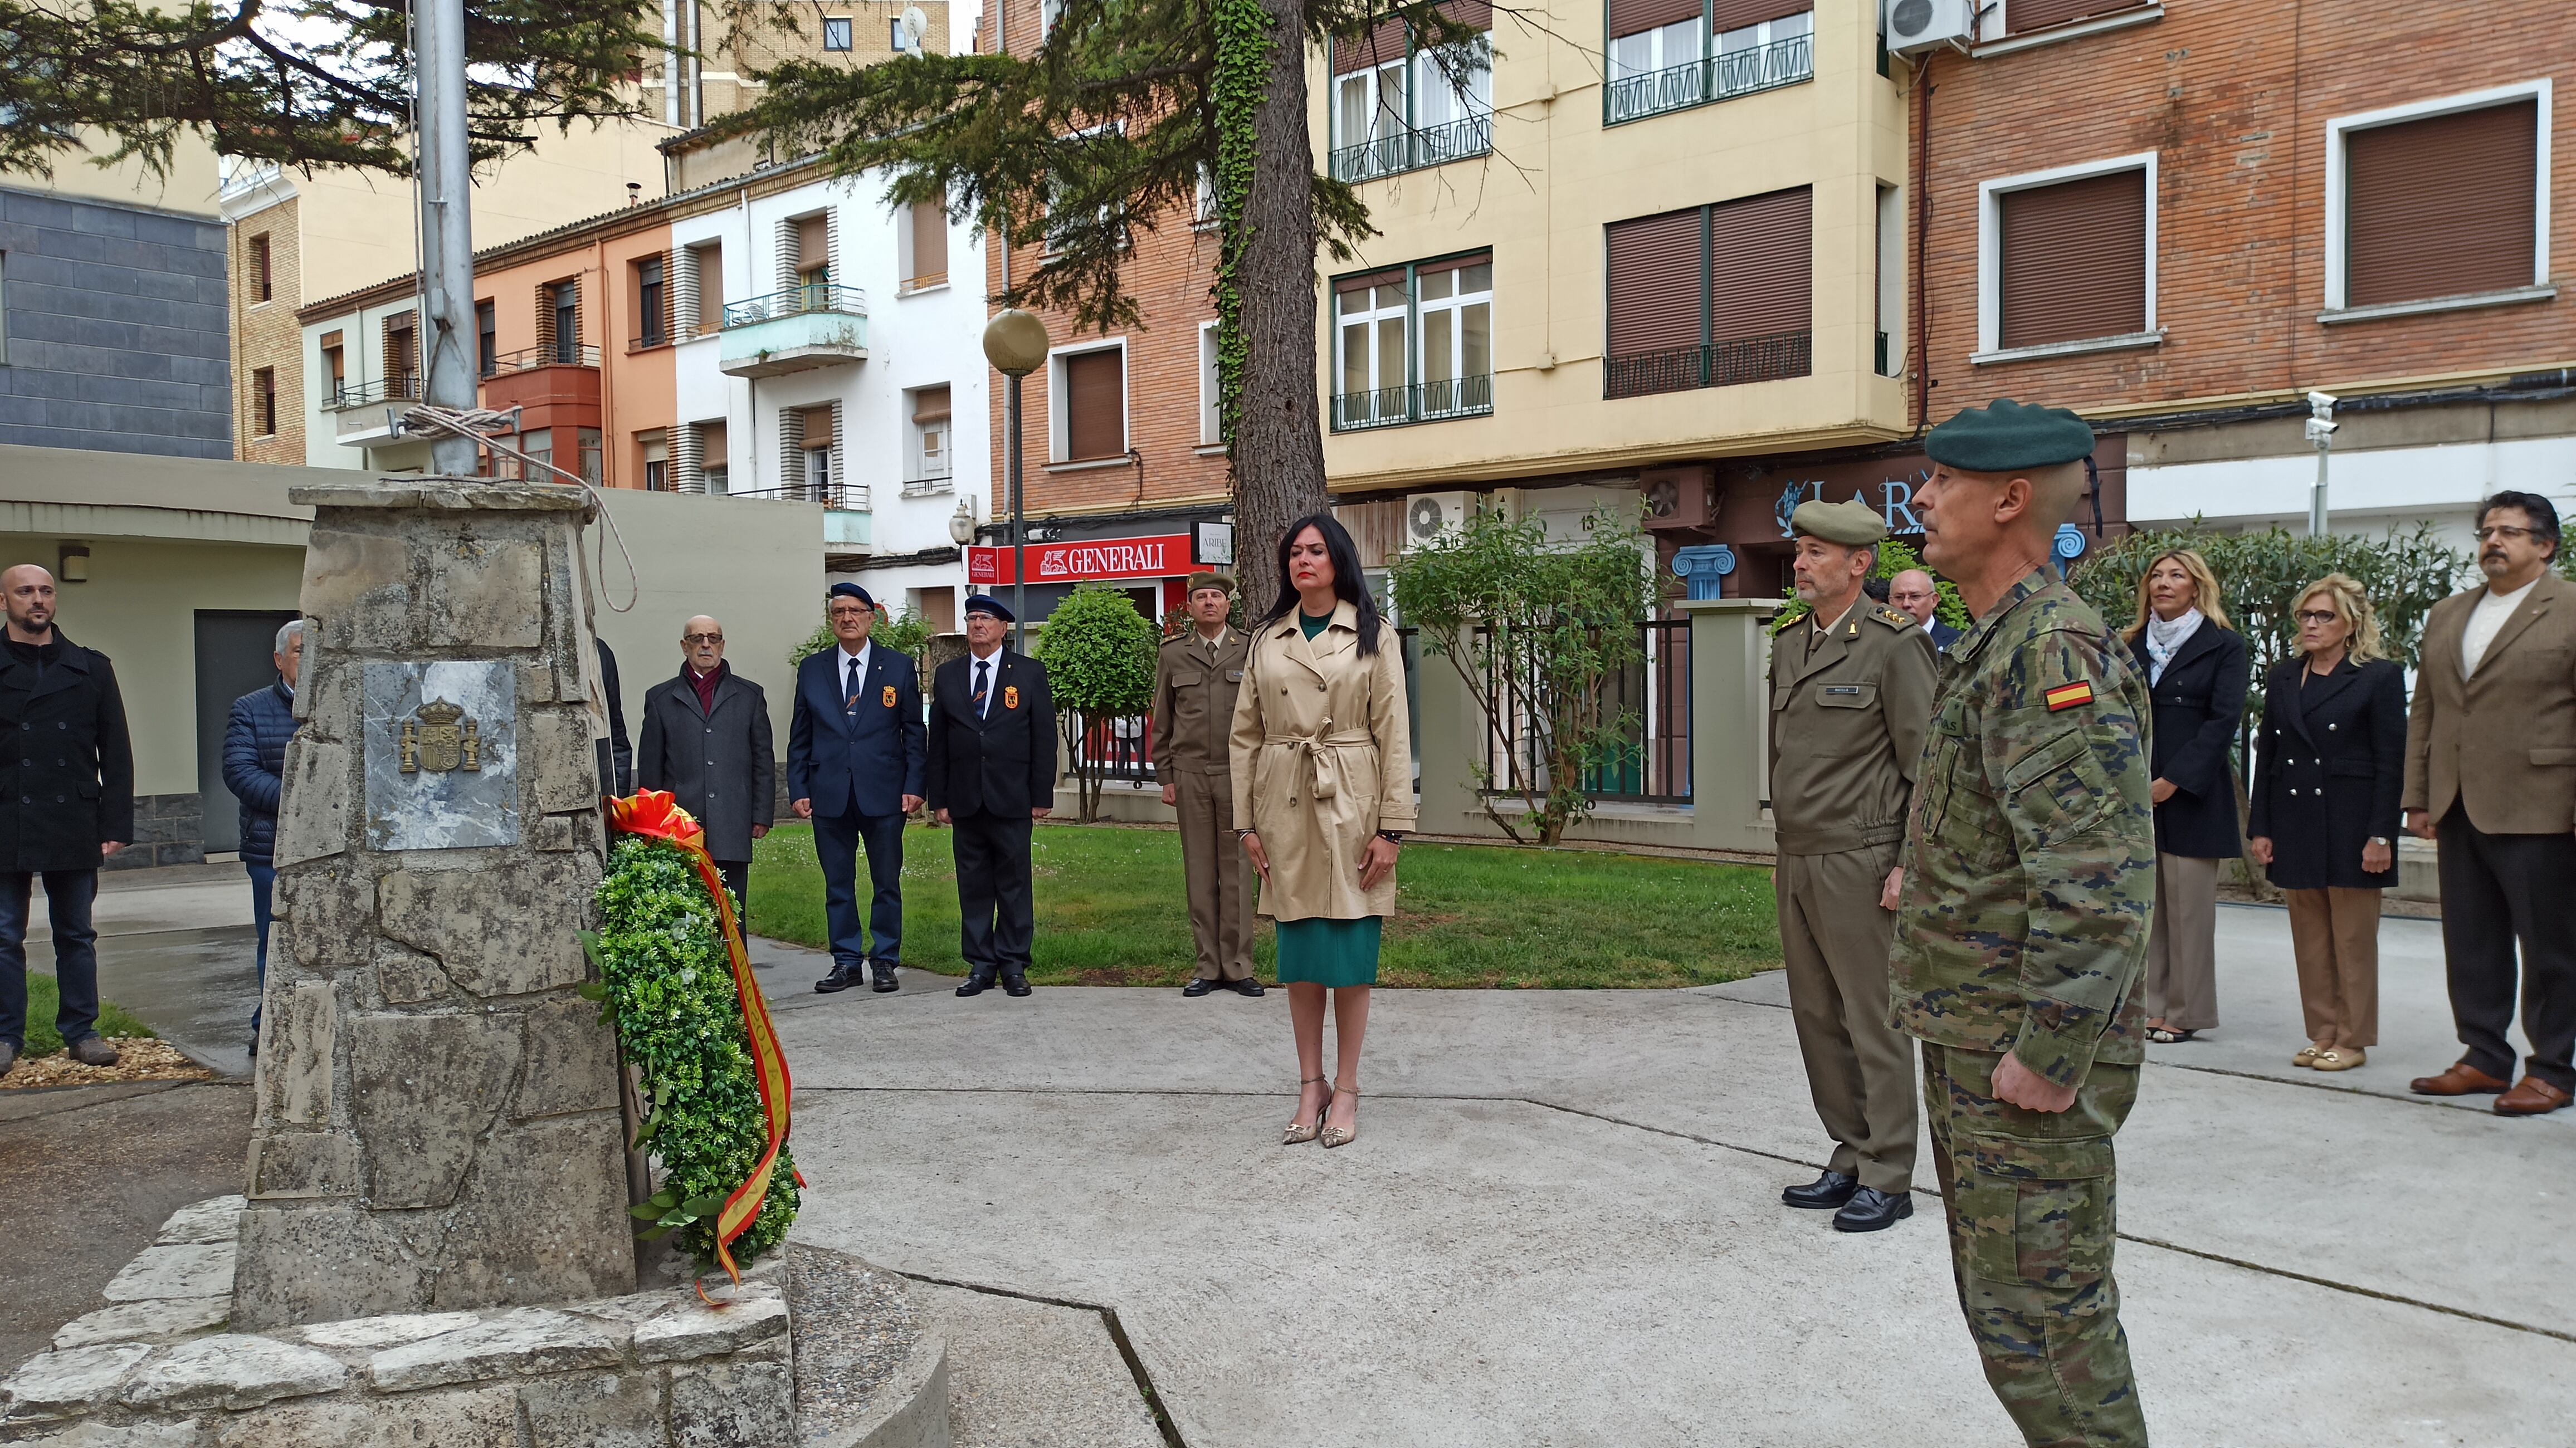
{"x": 1109, "y": 126}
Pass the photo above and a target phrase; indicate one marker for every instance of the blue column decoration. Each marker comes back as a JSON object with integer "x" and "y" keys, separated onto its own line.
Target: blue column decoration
{"x": 2068, "y": 546}
{"x": 1703, "y": 569}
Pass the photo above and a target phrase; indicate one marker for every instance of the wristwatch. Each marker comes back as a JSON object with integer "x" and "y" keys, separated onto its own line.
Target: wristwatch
{"x": 2378, "y": 840}
{"x": 1392, "y": 837}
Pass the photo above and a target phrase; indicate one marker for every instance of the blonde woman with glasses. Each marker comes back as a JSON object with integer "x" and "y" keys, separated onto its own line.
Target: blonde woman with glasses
{"x": 2195, "y": 667}
{"x": 2329, "y": 768}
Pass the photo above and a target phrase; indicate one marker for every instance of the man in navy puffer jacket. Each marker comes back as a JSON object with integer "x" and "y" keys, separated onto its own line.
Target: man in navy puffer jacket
{"x": 254, "y": 770}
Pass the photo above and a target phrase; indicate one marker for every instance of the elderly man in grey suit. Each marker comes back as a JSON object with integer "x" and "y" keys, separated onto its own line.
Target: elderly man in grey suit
{"x": 706, "y": 740}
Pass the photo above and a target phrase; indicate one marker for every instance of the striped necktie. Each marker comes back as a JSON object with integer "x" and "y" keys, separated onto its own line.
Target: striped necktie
{"x": 982, "y": 685}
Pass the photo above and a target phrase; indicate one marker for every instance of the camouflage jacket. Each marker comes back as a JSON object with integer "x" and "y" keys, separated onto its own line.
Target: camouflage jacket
{"x": 2030, "y": 854}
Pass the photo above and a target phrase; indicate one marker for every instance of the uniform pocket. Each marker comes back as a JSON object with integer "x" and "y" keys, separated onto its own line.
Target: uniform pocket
{"x": 1847, "y": 696}
{"x": 2037, "y": 1213}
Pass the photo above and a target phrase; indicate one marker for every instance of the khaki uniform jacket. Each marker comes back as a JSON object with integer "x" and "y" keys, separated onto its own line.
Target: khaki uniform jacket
{"x": 2503, "y": 741}
{"x": 1323, "y": 760}
{"x": 2030, "y": 851}
{"x": 1194, "y": 703}
{"x": 1849, "y": 710}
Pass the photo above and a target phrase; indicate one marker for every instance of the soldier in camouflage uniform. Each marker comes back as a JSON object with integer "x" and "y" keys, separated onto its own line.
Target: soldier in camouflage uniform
{"x": 2029, "y": 877}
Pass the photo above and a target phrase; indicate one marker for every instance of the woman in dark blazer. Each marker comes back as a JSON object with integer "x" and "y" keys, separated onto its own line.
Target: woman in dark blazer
{"x": 2195, "y": 668}
{"x": 2329, "y": 766}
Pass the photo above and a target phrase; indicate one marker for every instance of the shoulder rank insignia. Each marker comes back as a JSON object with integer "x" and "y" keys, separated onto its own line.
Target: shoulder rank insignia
{"x": 889, "y": 696}
{"x": 1895, "y": 617}
{"x": 2069, "y": 696}
{"x": 1011, "y": 696}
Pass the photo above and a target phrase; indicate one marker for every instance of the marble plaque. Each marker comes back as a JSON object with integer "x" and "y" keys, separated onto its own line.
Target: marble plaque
{"x": 442, "y": 755}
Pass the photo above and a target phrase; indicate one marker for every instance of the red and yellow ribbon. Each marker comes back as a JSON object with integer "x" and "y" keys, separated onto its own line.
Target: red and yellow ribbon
{"x": 655, "y": 815}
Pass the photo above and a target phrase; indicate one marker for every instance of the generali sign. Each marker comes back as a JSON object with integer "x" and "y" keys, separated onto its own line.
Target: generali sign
{"x": 1159, "y": 557}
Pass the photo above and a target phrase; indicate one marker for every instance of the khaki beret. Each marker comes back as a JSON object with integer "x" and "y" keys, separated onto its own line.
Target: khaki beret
{"x": 1208, "y": 580}
{"x": 1854, "y": 524}
{"x": 2006, "y": 436}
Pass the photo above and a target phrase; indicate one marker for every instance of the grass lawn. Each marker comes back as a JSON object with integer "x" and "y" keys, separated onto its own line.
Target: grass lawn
{"x": 1111, "y": 911}
{"x": 44, "y": 997}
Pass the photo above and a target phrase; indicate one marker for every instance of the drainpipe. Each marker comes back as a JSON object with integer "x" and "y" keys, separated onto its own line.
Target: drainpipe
{"x": 1922, "y": 229}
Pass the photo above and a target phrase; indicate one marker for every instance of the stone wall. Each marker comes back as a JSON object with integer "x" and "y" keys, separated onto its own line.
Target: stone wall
{"x": 437, "y": 1125}
{"x": 169, "y": 829}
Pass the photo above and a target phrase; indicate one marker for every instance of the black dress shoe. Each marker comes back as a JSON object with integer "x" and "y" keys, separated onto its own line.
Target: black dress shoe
{"x": 1245, "y": 987}
{"x": 1828, "y": 1191}
{"x": 975, "y": 985}
{"x": 885, "y": 977}
{"x": 1871, "y": 1210}
{"x": 1198, "y": 986}
{"x": 1015, "y": 985}
{"x": 843, "y": 976}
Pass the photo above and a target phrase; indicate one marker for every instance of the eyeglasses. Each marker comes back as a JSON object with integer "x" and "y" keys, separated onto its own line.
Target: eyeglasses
{"x": 702, "y": 638}
{"x": 2501, "y": 531}
{"x": 2317, "y": 615}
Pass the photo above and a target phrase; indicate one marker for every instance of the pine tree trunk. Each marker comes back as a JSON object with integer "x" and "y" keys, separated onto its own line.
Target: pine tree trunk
{"x": 1278, "y": 440}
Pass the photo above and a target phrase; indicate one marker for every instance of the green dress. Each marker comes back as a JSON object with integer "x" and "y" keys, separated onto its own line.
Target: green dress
{"x": 1319, "y": 951}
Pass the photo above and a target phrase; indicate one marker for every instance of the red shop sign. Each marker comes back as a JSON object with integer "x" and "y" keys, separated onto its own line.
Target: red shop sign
{"x": 1158, "y": 557}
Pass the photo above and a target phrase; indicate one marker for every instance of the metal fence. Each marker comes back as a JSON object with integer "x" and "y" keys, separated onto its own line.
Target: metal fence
{"x": 809, "y": 297}
{"x": 1721, "y": 364}
{"x": 1652, "y": 764}
{"x": 1412, "y": 150}
{"x": 1717, "y": 78}
{"x": 1414, "y": 402}
{"x": 1122, "y": 744}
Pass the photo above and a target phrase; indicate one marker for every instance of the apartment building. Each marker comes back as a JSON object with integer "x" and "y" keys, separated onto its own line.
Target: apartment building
{"x": 2180, "y": 217}
{"x": 297, "y": 238}
{"x": 1651, "y": 257}
{"x": 1123, "y": 471}
{"x": 112, "y": 307}
{"x": 779, "y": 336}
{"x": 687, "y": 90}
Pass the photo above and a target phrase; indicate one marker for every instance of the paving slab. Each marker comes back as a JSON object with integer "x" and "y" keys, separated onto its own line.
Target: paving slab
{"x": 1032, "y": 1374}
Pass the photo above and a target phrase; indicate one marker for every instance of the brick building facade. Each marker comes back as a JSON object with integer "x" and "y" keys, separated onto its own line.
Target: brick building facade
{"x": 2180, "y": 218}
{"x": 268, "y": 406}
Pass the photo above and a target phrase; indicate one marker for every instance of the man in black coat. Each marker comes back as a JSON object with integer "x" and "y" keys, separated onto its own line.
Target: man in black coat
{"x": 992, "y": 773}
{"x": 706, "y": 739}
{"x": 66, "y": 803}
{"x": 255, "y": 739}
{"x": 616, "y": 755}
{"x": 854, "y": 760}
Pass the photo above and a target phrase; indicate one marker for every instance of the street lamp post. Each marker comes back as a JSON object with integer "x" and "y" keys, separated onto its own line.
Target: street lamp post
{"x": 1015, "y": 342}
{"x": 2321, "y": 428}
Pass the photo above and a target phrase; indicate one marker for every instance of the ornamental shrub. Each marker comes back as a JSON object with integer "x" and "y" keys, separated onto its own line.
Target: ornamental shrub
{"x": 669, "y": 988}
{"x": 1100, "y": 655}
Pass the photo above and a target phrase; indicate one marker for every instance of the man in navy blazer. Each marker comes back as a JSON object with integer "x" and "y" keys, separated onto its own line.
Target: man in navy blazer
{"x": 854, "y": 767}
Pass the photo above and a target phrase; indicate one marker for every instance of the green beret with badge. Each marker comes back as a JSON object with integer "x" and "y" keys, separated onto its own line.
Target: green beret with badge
{"x": 2007, "y": 436}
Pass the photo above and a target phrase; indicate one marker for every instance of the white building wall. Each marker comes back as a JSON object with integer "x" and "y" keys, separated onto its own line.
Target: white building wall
{"x": 2367, "y": 491}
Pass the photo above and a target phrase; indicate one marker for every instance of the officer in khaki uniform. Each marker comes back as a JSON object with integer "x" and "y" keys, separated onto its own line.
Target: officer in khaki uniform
{"x": 1851, "y": 698}
{"x": 2021, "y": 931}
{"x": 1195, "y": 682}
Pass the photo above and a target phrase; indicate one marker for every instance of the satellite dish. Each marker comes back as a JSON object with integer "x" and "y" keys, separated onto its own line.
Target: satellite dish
{"x": 915, "y": 26}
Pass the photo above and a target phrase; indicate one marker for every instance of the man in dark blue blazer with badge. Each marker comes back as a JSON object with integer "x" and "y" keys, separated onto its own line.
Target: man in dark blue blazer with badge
{"x": 855, "y": 756}
{"x": 992, "y": 772}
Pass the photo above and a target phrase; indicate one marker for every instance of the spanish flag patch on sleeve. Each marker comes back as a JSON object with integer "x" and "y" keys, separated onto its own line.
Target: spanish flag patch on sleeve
{"x": 2069, "y": 696}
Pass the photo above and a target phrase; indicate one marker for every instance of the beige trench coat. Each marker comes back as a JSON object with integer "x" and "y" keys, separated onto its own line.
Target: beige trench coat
{"x": 1323, "y": 760}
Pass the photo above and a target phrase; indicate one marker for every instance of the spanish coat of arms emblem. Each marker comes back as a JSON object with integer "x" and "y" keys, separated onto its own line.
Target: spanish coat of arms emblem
{"x": 439, "y": 738}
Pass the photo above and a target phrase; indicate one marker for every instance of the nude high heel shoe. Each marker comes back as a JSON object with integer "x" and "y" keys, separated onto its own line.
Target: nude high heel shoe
{"x": 1301, "y": 1132}
{"x": 1341, "y": 1135}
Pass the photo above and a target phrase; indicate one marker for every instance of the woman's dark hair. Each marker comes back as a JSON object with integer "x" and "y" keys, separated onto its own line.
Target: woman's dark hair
{"x": 1348, "y": 585}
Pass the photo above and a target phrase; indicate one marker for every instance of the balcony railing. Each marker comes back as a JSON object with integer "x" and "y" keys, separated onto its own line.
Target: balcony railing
{"x": 1717, "y": 78}
{"x": 929, "y": 487}
{"x": 831, "y": 495}
{"x": 1723, "y": 364}
{"x": 1414, "y": 402}
{"x": 529, "y": 359}
{"x": 402, "y": 387}
{"x": 1412, "y": 150}
{"x": 796, "y": 301}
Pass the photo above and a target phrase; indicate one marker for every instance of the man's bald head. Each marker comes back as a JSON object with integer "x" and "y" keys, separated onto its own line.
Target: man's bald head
{"x": 29, "y": 592}
{"x": 1913, "y": 591}
{"x": 702, "y": 642}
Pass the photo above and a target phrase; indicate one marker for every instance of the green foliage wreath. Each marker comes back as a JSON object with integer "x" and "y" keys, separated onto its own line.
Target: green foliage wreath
{"x": 669, "y": 989}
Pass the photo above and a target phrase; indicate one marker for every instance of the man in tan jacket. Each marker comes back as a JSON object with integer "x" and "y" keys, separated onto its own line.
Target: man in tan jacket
{"x": 2491, "y": 773}
{"x": 1195, "y": 683}
{"x": 1851, "y": 700}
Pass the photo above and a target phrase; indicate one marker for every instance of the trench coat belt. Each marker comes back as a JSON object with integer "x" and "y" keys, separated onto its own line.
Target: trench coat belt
{"x": 1323, "y": 766}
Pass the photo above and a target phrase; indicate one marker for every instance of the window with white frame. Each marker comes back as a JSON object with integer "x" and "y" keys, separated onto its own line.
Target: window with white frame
{"x": 1211, "y": 421}
{"x": 2066, "y": 260}
{"x": 930, "y": 462}
{"x": 1087, "y": 404}
{"x": 1397, "y": 105}
{"x": 1414, "y": 343}
{"x": 1072, "y": 159}
{"x": 1652, "y": 46}
{"x": 2439, "y": 203}
{"x": 1455, "y": 354}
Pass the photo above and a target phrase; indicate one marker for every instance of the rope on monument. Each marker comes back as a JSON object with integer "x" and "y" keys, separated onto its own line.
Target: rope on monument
{"x": 482, "y": 424}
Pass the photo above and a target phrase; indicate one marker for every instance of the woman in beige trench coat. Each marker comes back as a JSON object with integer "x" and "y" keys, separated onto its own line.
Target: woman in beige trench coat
{"x": 1323, "y": 774}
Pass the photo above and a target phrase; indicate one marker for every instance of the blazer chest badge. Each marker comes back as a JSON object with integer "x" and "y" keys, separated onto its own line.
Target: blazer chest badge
{"x": 1010, "y": 696}
{"x": 889, "y": 696}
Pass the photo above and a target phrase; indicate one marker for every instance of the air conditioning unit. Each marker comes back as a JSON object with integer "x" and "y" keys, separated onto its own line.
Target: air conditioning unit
{"x": 1915, "y": 26}
{"x": 1429, "y": 515}
{"x": 1683, "y": 497}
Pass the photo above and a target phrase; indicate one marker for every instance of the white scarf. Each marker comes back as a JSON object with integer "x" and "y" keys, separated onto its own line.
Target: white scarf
{"x": 2164, "y": 638}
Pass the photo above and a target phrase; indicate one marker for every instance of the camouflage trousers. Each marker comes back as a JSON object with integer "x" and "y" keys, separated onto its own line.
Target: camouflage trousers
{"x": 2030, "y": 1201}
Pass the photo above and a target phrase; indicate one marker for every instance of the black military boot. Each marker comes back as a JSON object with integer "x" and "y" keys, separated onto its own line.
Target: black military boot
{"x": 1826, "y": 1192}
{"x": 1872, "y": 1210}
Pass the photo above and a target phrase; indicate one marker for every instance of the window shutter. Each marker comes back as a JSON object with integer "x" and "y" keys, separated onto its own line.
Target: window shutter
{"x": 1454, "y": 263}
{"x": 929, "y": 243}
{"x": 2075, "y": 260}
{"x": 2028, "y": 15}
{"x": 930, "y": 404}
{"x": 708, "y": 268}
{"x": 1726, "y": 15}
{"x": 1383, "y": 45}
{"x": 1654, "y": 269}
{"x": 1095, "y": 403}
{"x": 813, "y": 243}
{"x": 2440, "y": 207}
{"x": 1478, "y": 13}
{"x": 1762, "y": 266}
{"x": 1629, "y": 17}
{"x": 1392, "y": 277}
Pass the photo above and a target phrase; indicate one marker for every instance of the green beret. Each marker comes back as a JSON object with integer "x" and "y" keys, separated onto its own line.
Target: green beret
{"x": 1853, "y": 524}
{"x": 2008, "y": 436}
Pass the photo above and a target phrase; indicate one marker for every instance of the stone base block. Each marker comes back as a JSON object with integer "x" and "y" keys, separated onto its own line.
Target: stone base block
{"x": 814, "y": 1348}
